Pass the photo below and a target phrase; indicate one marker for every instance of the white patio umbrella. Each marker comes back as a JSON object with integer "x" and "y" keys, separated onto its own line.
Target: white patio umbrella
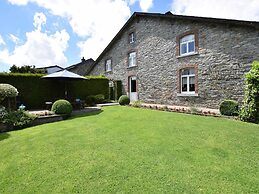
{"x": 64, "y": 76}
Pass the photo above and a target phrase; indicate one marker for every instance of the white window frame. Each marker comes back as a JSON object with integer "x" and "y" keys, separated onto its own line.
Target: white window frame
{"x": 188, "y": 82}
{"x": 132, "y": 59}
{"x": 108, "y": 65}
{"x": 187, "y": 42}
{"x": 132, "y": 37}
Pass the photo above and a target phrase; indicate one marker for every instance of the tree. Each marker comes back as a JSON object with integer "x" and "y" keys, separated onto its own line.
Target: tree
{"x": 7, "y": 91}
{"x": 250, "y": 108}
{"x": 25, "y": 69}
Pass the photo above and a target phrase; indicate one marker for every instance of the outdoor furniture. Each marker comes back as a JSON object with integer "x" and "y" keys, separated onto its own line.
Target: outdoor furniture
{"x": 48, "y": 105}
{"x": 78, "y": 104}
{"x": 65, "y": 76}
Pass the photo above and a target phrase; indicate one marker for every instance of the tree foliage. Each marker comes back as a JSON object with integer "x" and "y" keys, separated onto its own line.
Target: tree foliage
{"x": 250, "y": 108}
{"x": 7, "y": 91}
{"x": 25, "y": 69}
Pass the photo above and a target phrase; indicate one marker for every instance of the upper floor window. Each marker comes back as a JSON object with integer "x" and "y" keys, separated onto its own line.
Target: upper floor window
{"x": 188, "y": 81}
{"x": 132, "y": 59}
{"x": 187, "y": 44}
{"x": 108, "y": 65}
{"x": 132, "y": 37}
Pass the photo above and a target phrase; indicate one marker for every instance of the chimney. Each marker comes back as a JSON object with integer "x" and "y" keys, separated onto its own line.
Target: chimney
{"x": 83, "y": 59}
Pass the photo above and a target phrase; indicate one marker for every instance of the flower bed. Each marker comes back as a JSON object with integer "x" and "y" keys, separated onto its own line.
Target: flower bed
{"x": 187, "y": 110}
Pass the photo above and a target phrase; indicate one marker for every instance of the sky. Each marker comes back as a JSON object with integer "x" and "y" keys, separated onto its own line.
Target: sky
{"x": 60, "y": 32}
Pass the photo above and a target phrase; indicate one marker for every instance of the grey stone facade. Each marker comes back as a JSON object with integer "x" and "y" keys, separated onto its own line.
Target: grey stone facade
{"x": 225, "y": 51}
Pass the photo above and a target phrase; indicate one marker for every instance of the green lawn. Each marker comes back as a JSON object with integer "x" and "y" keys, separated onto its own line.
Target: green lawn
{"x": 129, "y": 150}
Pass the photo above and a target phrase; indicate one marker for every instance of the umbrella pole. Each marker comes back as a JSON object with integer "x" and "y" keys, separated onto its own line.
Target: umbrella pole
{"x": 65, "y": 90}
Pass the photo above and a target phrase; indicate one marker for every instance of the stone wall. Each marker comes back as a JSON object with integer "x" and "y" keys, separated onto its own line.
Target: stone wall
{"x": 225, "y": 53}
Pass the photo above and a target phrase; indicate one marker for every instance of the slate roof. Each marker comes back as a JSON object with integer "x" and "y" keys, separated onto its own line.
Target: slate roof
{"x": 81, "y": 68}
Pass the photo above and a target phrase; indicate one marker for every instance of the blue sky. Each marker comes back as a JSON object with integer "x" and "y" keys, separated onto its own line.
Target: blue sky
{"x": 60, "y": 32}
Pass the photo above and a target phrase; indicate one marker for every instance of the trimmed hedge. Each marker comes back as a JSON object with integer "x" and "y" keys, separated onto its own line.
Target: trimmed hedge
{"x": 34, "y": 92}
{"x": 229, "y": 108}
{"x": 7, "y": 91}
{"x": 124, "y": 100}
{"x": 118, "y": 89}
{"x": 62, "y": 107}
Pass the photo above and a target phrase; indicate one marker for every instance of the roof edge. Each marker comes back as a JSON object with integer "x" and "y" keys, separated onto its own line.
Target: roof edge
{"x": 170, "y": 15}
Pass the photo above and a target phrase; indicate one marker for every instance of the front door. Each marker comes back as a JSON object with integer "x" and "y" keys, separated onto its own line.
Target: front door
{"x": 133, "y": 88}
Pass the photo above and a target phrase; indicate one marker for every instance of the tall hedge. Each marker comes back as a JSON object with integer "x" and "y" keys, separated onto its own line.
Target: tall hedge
{"x": 34, "y": 92}
{"x": 118, "y": 89}
{"x": 250, "y": 108}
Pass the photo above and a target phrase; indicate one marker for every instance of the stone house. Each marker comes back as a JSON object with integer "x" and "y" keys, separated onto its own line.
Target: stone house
{"x": 181, "y": 60}
{"x": 82, "y": 68}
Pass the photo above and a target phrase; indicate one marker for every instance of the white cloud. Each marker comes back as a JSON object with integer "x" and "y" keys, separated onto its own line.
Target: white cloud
{"x": 230, "y": 9}
{"x": 2, "y": 42}
{"x": 145, "y": 5}
{"x": 14, "y": 38}
{"x": 95, "y": 21}
{"x": 40, "y": 49}
{"x": 39, "y": 20}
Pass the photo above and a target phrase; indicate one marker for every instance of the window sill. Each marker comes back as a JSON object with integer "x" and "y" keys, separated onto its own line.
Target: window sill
{"x": 108, "y": 71}
{"x": 183, "y": 95}
{"x": 131, "y": 67}
{"x": 187, "y": 55}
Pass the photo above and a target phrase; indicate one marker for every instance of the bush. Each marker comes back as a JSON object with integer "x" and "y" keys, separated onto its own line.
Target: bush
{"x": 94, "y": 99}
{"x": 137, "y": 104}
{"x": 90, "y": 100}
{"x": 62, "y": 107}
{"x": 250, "y": 109}
{"x": 18, "y": 119}
{"x": 124, "y": 100}
{"x": 99, "y": 98}
{"x": 3, "y": 113}
{"x": 229, "y": 108}
{"x": 7, "y": 91}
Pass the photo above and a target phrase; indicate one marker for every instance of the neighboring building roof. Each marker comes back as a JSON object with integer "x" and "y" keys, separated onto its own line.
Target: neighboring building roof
{"x": 81, "y": 68}
{"x": 169, "y": 15}
{"x": 51, "y": 69}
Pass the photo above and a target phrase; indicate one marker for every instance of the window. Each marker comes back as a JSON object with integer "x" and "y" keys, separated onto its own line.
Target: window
{"x": 188, "y": 81}
{"x": 108, "y": 65}
{"x": 132, "y": 37}
{"x": 187, "y": 45}
{"x": 132, "y": 59}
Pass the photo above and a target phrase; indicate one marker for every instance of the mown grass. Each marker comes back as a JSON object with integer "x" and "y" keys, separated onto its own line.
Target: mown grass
{"x": 129, "y": 150}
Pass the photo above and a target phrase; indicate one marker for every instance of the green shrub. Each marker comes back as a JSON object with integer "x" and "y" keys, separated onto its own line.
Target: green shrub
{"x": 90, "y": 100}
{"x": 95, "y": 99}
{"x": 250, "y": 109}
{"x": 99, "y": 98}
{"x": 124, "y": 100}
{"x": 229, "y": 108}
{"x": 62, "y": 107}
{"x": 18, "y": 119}
{"x": 137, "y": 104}
{"x": 3, "y": 113}
{"x": 7, "y": 91}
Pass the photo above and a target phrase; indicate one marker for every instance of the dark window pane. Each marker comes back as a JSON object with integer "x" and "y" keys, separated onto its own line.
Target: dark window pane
{"x": 192, "y": 84}
{"x": 192, "y": 87}
{"x": 185, "y": 72}
{"x": 184, "y": 84}
{"x": 133, "y": 86}
{"x": 183, "y": 48}
{"x": 191, "y": 47}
